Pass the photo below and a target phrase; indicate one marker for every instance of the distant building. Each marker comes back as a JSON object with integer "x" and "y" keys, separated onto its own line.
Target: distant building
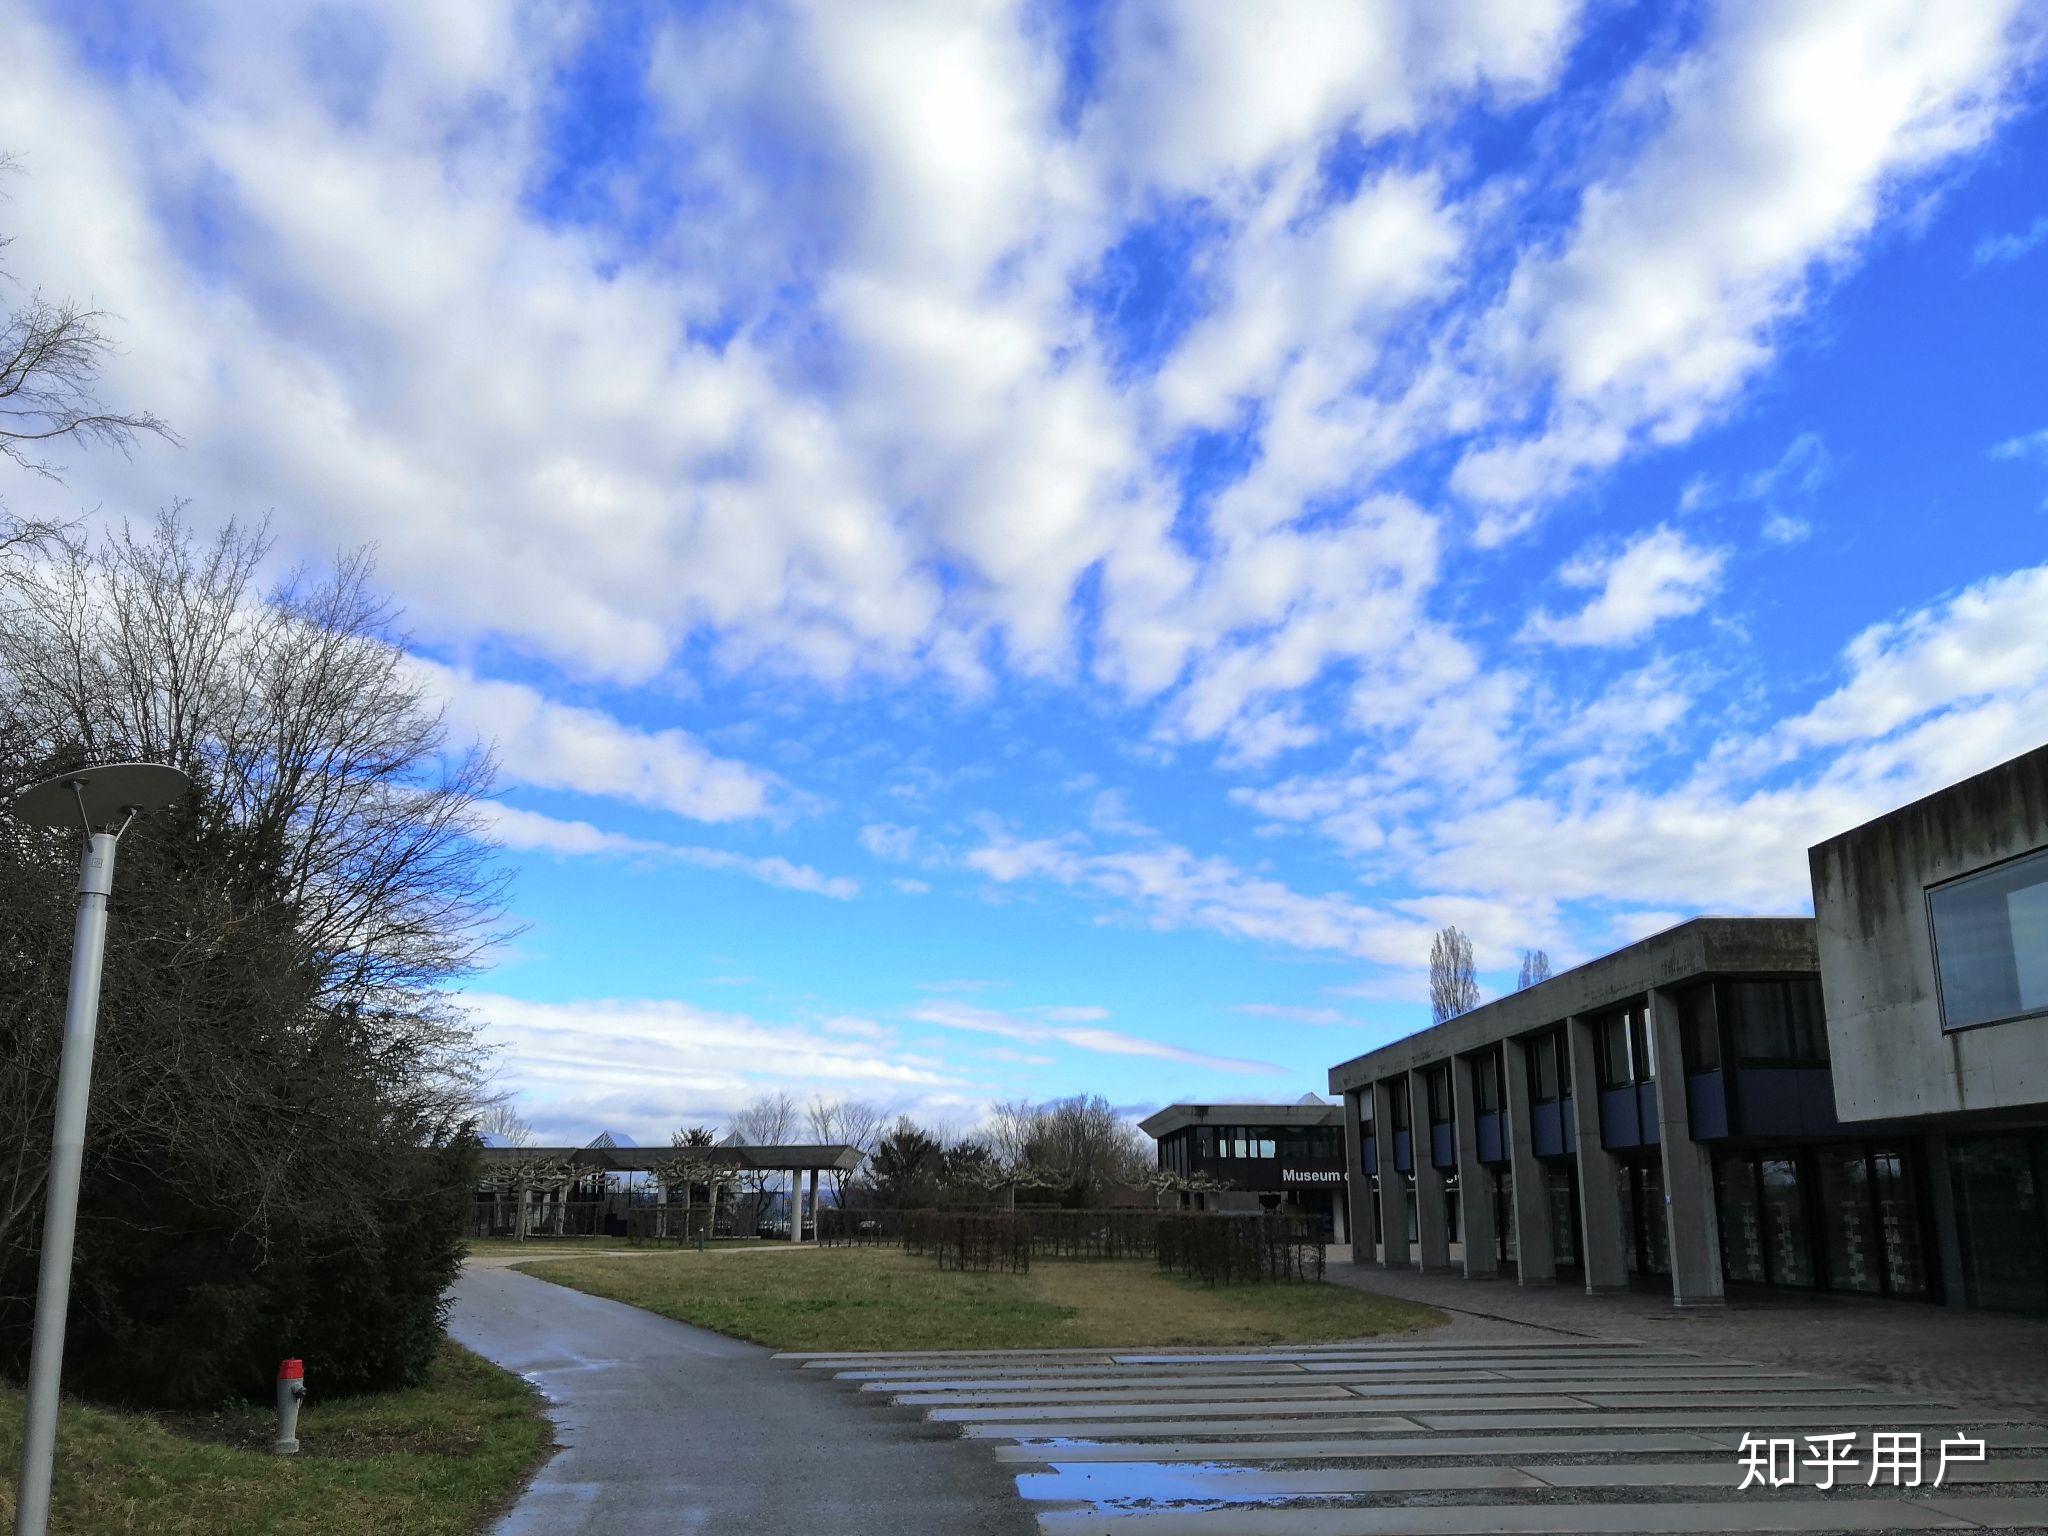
{"x": 1856, "y": 1101}
{"x": 1273, "y": 1157}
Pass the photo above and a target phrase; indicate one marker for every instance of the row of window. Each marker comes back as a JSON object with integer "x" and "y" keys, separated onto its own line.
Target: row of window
{"x": 1256, "y": 1141}
{"x": 1774, "y": 1021}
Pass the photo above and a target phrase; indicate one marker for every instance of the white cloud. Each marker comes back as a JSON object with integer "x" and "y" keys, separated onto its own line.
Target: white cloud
{"x": 1656, "y": 576}
{"x": 1106, "y": 1042}
{"x": 551, "y": 745}
{"x": 1987, "y": 641}
{"x": 529, "y": 830}
{"x": 2028, "y": 445}
{"x": 1782, "y": 137}
{"x": 1996, "y": 249}
{"x": 887, "y": 841}
{"x": 1288, "y": 1014}
{"x": 647, "y": 1066}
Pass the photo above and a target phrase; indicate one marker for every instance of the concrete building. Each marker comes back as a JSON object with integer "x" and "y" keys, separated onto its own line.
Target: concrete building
{"x": 1273, "y": 1157}
{"x": 1854, "y": 1102}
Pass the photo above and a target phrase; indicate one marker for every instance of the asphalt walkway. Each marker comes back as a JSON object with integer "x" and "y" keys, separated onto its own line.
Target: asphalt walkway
{"x": 669, "y": 1430}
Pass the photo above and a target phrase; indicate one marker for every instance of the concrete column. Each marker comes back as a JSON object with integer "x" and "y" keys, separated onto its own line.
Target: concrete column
{"x": 1351, "y": 1204}
{"x": 1475, "y": 1188}
{"x": 1340, "y": 1228}
{"x": 1948, "y": 1238}
{"x": 1393, "y": 1218}
{"x": 1606, "y": 1256}
{"x": 1432, "y": 1233}
{"x": 796, "y": 1205}
{"x": 811, "y": 1200}
{"x": 1689, "y": 1215}
{"x": 1536, "y": 1258}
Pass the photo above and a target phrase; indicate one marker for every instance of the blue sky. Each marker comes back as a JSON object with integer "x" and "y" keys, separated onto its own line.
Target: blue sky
{"x": 1012, "y": 550}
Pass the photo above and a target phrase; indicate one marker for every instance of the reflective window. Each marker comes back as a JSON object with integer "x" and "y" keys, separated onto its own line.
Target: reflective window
{"x": 1785, "y": 1226}
{"x": 1991, "y": 943}
{"x": 1742, "y": 1236}
{"x": 1543, "y": 1073}
{"x": 1777, "y": 1021}
{"x": 1486, "y": 1084}
{"x": 2002, "y": 1220}
{"x": 1699, "y": 1028}
{"x": 1849, "y": 1220}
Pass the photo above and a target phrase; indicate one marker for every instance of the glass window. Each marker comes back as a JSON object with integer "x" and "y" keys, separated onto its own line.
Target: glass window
{"x": 1563, "y": 1047}
{"x": 1785, "y": 1230}
{"x": 1700, "y": 1030}
{"x": 1735, "y": 1199}
{"x": 1452, "y": 1232}
{"x": 1991, "y": 942}
{"x": 1397, "y": 1096}
{"x": 1999, "y": 1217}
{"x": 1642, "y": 1049}
{"x": 1543, "y": 1065}
{"x": 1438, "y": 1080}
{"x": 1898, "y": 1219}
{"x": 1266, "y": 1147}
{"x": 1365, "y": 1109}
{"x": 1777, "y": 1021}
{"x": 1849, "y": 1219}
{"x": 1805, "y": 1019}
{"x": 1205, "y": 1141}
{"x": 1486, "y": 1084}
{"x": 1617, "y": 1060}
{"x": 1564, "y": 1215}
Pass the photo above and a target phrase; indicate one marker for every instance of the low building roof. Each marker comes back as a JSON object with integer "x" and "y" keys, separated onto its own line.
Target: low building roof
{"x": 842, "y": 1156}
{"x": 1179, "y": 1116}
{"x": 1702, "y": 946}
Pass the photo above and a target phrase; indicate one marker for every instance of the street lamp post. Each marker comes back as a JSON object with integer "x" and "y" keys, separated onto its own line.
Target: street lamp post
{"x": 101, "y": 801}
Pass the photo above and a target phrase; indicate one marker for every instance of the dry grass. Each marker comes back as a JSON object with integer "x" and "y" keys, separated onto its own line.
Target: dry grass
{"x": 436, "y": 1460}
{"x": 871, "y": 1298}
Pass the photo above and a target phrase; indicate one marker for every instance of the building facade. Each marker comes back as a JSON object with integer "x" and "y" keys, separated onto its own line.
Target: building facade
{"x": 1852, "y": 1102}
{"x": 1272, "y": 1157}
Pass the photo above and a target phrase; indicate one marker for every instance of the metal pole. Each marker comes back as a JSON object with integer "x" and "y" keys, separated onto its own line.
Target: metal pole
{"x": 60, "y": 1201}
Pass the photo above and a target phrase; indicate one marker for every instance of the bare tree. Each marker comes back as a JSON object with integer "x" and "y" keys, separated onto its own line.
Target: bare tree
{"x": 277, "y": 1039}
{"x": 851, "y": 1122}
{"x": 1453, "y": 986}
{"x": 693, "y": 1163}
{"x": 503, "y": 1126}
{"x": 1535, "y": 968}
{"x": 52, "y": 353}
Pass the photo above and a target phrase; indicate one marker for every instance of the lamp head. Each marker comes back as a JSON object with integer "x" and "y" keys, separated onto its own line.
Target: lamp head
{"x": 103, "y": 795}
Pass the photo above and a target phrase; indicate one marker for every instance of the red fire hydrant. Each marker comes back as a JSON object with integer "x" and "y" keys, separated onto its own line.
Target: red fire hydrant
{"x": 291, "y": 1391}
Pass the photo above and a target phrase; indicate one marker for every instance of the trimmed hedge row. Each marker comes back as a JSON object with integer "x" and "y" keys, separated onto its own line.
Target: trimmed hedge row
{"x": 1217, "y": 1248}
{"x": 1236, "y": 1249}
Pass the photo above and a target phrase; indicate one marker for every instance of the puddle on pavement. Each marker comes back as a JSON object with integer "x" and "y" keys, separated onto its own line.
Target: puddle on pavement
{"x": 1118, "y": 1485}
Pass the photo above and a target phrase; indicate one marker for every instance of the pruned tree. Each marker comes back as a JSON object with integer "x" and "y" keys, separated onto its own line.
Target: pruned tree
{"x": 1163, "y": 1182}
{"x": 1535, "y": 968}
{"x": 1453, "y": 984}
{"x": 690, "y": 1164}
{"x": 530, "y": 1172}
{"x": 52, "y": 355}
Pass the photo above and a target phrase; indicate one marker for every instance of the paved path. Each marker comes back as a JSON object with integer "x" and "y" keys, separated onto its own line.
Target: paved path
{"x": 1998, "y": 1360}
{"x": 670, "y": 1429}
{"x": 1547, "y": 1433}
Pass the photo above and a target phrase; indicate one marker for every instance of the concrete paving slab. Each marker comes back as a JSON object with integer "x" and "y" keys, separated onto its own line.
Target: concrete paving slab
{"x": 1233, "y": 1395}
{"x": 1821, "y": 1418}
{"x": 1808, "y": 1514}
{"x": 1504, "y": 1447}
{"x": 1270, "y": 1408}
{"x": 1993, "y": 1513}
{"x": 1730, "y": 1473}
{"x": 1137, "y": 1429}
{"x": 1734, "y": 1402}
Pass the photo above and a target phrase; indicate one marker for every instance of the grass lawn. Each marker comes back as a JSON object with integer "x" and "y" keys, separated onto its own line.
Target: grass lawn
{"x": 432, "y": 1461}
{"x": 534, "y": 1247}
{"x": 877, "y": 1298}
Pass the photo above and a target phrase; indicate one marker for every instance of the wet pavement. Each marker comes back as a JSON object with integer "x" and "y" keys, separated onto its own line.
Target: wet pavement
{"x": 1540, "y": 1432}
{"x": 667, "y": 1429}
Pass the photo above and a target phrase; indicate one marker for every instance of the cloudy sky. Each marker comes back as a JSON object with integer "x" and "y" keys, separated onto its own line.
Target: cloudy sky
{"x": 1021, "y": 549}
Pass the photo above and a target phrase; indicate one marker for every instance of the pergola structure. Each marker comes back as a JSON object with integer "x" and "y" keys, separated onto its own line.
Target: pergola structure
{"x": 796, "y": 1160}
